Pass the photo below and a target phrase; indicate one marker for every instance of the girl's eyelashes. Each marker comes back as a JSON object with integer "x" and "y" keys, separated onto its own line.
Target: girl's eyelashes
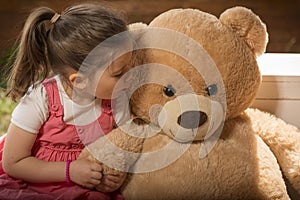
{"x": 118, "y": 74}
{"x": 115, "y": 73}
{"x": 121, "y": 71}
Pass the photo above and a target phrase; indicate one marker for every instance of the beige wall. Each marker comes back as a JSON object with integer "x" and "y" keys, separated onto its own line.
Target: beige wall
{"x": 281, "y": 16}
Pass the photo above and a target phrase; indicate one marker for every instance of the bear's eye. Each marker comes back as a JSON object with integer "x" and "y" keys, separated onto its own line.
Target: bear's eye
{"x": 169, "y": 91}
{"x": 212, "y": 89}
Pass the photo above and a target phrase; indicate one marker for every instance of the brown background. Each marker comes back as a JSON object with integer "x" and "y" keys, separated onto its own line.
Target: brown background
{"x": 281, "y": 16}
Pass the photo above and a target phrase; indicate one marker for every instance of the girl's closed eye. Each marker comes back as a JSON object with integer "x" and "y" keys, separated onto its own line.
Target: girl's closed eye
{"x": 122, "y": 71}
{"x": 118, "y": 73}
{"x": 120, "y": 66}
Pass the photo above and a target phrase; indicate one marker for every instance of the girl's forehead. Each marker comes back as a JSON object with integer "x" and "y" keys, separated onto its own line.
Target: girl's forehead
{"x": 118, "y": 64}
{"x": 124, "y": 52}
{"x": 122, "y": 59}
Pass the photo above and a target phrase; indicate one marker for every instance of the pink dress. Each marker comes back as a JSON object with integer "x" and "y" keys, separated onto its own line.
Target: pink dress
{"x": 57, "y": 141}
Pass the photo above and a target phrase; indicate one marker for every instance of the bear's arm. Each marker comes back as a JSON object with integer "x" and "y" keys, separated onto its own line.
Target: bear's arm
{"x": 118, "y": 150}
{"x": 283, "y": 140}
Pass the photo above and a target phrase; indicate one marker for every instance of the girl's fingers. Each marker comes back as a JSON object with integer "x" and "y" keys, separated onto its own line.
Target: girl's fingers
{"x": 94, "y": 182}
{"x": 96, "y": 175}
{"x": 115, "y": 179}
{"x": 109, "y": 183}
{"x": 96, "y": 167}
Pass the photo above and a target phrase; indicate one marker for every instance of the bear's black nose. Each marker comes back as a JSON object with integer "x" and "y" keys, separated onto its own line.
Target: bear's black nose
{"x": 192, "y": 119}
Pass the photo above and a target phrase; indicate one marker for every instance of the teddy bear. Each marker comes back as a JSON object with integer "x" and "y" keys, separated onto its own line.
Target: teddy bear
{"x": 193, "y": 133}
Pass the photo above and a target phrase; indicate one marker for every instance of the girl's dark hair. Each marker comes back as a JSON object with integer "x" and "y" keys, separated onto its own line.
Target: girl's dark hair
{"x": 46, "y": 46}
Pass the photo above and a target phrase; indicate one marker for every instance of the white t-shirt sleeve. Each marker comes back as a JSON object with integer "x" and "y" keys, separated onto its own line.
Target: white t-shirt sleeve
{"x": 32, "y": 111}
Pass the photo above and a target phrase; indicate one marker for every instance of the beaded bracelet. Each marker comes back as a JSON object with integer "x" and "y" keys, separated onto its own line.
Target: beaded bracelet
{"x": 68, "y": 180}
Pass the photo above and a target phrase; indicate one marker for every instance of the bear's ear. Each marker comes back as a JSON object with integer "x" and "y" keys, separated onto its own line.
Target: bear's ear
{"x": 137, "y": 25}
{"x": 137, "y": 29}
{"x": 248, "y": 26}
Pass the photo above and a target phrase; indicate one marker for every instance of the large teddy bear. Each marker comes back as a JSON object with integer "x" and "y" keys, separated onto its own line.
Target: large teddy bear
{"x": 195, "y": 135}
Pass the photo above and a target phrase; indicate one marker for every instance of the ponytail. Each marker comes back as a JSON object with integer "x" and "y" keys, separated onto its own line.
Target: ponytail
{"x": 31, "y": 64}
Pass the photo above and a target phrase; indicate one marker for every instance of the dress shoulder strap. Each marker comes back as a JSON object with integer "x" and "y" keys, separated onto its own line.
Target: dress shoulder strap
{"x": 54, "y": 103}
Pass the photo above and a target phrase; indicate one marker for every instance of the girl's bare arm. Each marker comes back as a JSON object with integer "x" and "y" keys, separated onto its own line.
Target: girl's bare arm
{"x": 19, "y": 163}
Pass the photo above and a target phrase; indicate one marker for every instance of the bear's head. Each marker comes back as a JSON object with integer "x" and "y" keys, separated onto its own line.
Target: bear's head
{"x": 198, "y": 70}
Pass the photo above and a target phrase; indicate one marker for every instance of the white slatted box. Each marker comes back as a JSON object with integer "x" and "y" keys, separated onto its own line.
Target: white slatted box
{"x": 279, "y": 93}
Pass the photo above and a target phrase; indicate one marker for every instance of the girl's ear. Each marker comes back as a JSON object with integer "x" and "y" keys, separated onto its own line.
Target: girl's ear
{"x": 78, "y": 81}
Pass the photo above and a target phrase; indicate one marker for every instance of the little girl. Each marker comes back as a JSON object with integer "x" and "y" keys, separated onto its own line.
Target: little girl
{"x": 43, "y": 142}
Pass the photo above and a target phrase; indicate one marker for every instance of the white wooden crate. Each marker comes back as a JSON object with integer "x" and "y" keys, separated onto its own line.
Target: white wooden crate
{"x": 279, "y": 93}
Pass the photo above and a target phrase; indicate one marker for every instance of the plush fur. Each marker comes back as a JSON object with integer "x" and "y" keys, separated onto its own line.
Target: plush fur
{"x": 235, "y": 152}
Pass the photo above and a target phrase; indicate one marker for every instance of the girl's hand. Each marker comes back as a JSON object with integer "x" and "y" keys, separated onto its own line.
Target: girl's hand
{"x": 85, "y": 173}
{"x": 110, "y": 183}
